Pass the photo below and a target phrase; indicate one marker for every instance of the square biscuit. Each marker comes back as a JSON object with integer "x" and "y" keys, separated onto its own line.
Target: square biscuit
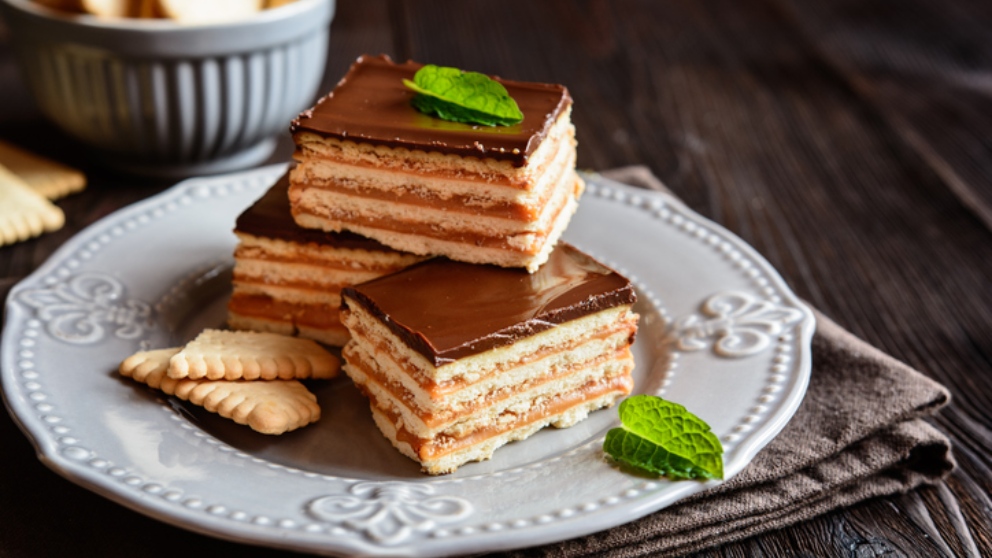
{"x": 49, "y": 178}
{"x": 249, "y": 355}
{"x": 24, "y": 213}
{"x": 271, "y": 407}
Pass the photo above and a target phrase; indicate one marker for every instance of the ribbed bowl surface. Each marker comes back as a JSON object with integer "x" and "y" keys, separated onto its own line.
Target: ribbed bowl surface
{"x": 162, "y": 98}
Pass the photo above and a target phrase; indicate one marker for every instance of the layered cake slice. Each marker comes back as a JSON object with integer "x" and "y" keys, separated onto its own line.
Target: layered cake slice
{"x": 370, "y": 163}
{"x": 288, "y": 279}
{"x": 459, "y": 359}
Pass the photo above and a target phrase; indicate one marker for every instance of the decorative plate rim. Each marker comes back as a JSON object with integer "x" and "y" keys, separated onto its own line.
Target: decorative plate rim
{"x": 644, "y": 496}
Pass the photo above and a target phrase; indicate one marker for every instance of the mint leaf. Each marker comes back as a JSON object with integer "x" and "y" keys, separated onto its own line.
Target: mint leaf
{"x": 459, "y": 96}
{"x": 664, "y": 438}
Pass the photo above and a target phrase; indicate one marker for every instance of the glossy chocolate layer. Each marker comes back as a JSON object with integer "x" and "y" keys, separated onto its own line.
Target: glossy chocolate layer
{"x": 371, "y": 105}
{"x": 270, "y": 217}
{"x": 448, "y": 310}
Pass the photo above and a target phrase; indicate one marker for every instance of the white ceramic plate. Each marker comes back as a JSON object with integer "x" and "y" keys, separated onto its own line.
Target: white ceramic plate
{"x": 720, "y": 333}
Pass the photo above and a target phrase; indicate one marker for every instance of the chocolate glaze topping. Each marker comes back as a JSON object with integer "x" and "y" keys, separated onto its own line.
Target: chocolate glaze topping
{"x": 270, "y": 217}
{"x": 371, "y": 105}
{"x": 448, "y": 310}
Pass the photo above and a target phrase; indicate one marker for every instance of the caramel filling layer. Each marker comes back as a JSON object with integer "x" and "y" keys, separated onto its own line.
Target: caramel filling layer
{"x": 339, "y": 217}
{"x": 441, "y": 445}
{"x": 320, "y": 316}
{"x": 441, "y": 418}
{"x": 243, "y": 252}
{"x": 459, "y": 203}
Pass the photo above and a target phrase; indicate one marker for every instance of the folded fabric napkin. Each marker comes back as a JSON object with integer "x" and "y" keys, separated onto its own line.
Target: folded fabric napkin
{"x": 858, "y": 434}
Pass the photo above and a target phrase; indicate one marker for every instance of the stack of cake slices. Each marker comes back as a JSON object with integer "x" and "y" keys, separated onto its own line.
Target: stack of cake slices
{"x": 484, "y": 355}
{"x": 371, "y": 164}
{"x": 504, "y": 331}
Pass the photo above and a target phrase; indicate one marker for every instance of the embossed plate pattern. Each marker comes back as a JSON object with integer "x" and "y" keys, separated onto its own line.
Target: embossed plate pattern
{"x": 720, "y": 333}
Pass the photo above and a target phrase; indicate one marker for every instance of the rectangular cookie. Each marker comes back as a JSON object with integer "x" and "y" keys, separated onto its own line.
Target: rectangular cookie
{"x": 459, "y": 359}
{"x": 24, "y": 213}
{"x": 268, "y": 407}
{"x": 49, "y": 178}
{"x": 371, "y": 163}
{"x": 217, "y": 354}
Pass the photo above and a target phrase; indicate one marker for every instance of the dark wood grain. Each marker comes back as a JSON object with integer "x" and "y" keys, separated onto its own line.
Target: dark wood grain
{"x": 848, "y": 141}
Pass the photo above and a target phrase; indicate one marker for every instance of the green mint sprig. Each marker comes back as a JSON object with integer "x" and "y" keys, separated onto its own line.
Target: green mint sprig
{"x": 469, "y": 97}
{"x": 663, "y": 438}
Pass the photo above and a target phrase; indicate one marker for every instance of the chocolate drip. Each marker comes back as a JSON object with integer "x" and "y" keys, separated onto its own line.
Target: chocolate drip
{"x": 371, "y": 105}
{"x": 448, "y": 310}
{"x": 270, "y": 217}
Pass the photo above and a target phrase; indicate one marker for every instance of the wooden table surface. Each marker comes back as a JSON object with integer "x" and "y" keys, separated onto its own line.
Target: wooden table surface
{"x": 849, "y": 141}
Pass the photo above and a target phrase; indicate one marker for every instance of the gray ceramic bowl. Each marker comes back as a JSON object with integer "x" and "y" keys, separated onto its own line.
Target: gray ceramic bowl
{"x": 159, "y": 98}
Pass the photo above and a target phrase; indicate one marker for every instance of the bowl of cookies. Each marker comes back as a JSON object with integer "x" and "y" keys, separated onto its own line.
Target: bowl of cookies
{"x": 171, "y": 87}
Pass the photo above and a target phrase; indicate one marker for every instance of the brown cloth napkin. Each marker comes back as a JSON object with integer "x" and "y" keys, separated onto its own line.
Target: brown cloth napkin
{"x": 858, "y": 434}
